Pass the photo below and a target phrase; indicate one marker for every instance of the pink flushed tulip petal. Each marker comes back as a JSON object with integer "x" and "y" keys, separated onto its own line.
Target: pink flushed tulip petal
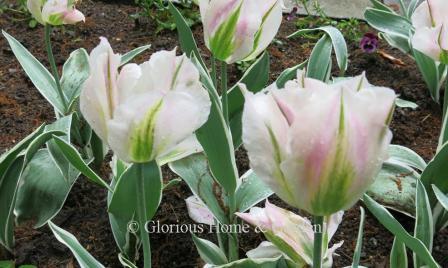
{"x": 426, "y": 40}
{"x": 267, "y": 140}
{"x": 431, "y": 29}
{"x": 329, "y": 140}
{"x": 284, "y": 228}
{"x": 73, "y": 16}
{"x": 58, "y": 12}
{"x": 99, "y": 96}
{"x": 198, "y": 211}
{"x": 148, "y": 111}
{"x": 238, "y": 30}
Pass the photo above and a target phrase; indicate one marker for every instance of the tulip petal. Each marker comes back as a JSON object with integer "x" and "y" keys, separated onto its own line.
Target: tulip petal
{"x": 422, "y": 16}
{"x": 426, "y": 40}
{"x": 438, "y": 10}
{"x": 271, "y": 20}
{"x": 198, "y": 211}
{"x": 131, "y": 131}
{"x": 185, "y": 148}
{"x": 264, "y": 136}
{"x": 35, "y": 8}
{"x": 99, "y": 95}
{"x": 290, "y": 234}
{"x": 73, "y": 16}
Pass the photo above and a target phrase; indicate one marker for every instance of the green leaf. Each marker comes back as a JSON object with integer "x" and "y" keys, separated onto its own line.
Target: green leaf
{"x": 216, "y": 140}
{"x": 10, "y": 183}
{"x": 387, "y": 22}
{"x": 125, "y": 262}
{"x": 7, "y": 200}
{"x": 124, "y": 200}
{"x": 320, "y": 59}
{"x": 63, "y": 124}
{"x": 75, "y": 72}
{"x": 39, "y": 75}
{"x": 411, "y": 7}
{"x": 42, "y": 191}
{"x": 251, "y": 191}
{"x": 186, "y": 38}
{"x": 398, "y": 256}
{"x": 209, "y": 252}
{"x": 289, "y": 74}
{"x": 394, "y": 187}
{"x": 430, "y": 72}
{"x": 85, "y": 260}
{"x": 98, "y": 150}
{"x": 391, "y": 224}
{"x": 72, "y": 155}
{"x": 436, "y": 173}
{"x": 397, "y": 41}
{"x": 424, "y": 226}
{"x": 126, "y": 58}
{"x": 405, "y": 104}
{"x": 406, "y": 156}
{"x": 7, "y": 264}
{"x": 7, "y": 158}
{"x": 171, "y": 184}
{"x": 358, "y": 249}
{"x": 444, "y": 132}
{"x": 195, "y": 172}
{"x": 338, "y": 41}
{"x": 126, "y": 240}
{"x": 137, "y": 195}
{"x": 379, "y": 5}
{"x": 441, "y": 197}
{"x": 256, "y": 78}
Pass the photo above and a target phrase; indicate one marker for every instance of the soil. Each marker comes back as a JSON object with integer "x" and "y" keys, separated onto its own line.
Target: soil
{"x": 22, "y": 109}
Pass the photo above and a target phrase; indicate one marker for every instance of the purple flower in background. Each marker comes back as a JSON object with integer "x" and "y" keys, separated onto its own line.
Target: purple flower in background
{"x": 369, "y": 43}
{"x": 292, "y": 15}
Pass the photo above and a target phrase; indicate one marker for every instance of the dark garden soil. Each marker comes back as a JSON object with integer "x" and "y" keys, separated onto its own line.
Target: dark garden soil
{"x": 22, "y": 109}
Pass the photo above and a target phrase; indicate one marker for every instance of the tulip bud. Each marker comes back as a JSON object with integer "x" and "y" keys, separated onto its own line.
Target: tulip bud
{"x": 144, "y": 112}
{"x": 318, "y": 146}
{"x": 239, "y": 30}
{"x": 55, "y": 12}
{"x": 431, "y": 29}
{"x": 290, "y": 234}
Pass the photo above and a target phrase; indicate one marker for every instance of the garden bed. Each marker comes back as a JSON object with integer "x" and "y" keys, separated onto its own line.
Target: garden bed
{"x": 22, "y": 109}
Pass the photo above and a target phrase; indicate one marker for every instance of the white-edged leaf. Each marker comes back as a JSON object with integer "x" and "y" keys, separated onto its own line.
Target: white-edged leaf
{"x": 85, "y": 260}
{"x": 126, "y": 58}
{"x": 39, "y": 75}
{"x": 251, "y": 191}
{"x": 406, "y": 156}
{"x": 391, "y": 224}
{"x": 75, "y": 159}
{"x": 424, "y": 226}
{"x": 338, "y": 41}
{"x": 398, "y": 256}
{"x": 209, "y": 252}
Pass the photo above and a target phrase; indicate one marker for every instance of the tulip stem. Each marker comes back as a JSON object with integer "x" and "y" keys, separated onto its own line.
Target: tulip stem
{"x": 142, "y": 216}
{"x": 225, "y": 106}
{"x": 318, "y": 239}
{"x": 54, "y": 69}
{"x": 213, "y": 63}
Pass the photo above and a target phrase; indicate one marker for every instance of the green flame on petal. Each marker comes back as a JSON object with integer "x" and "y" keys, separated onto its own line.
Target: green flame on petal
{"x": 221, "y": 44}
{"x": 142, "y": 137}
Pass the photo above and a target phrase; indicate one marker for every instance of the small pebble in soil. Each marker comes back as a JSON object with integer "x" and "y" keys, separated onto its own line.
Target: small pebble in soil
{"x": 373, "y": 242}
